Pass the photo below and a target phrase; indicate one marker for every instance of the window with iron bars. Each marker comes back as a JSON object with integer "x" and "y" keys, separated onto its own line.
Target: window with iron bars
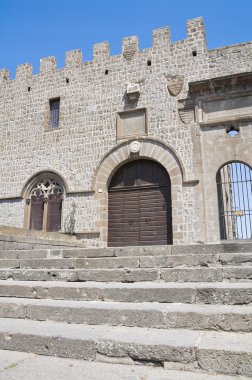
{"x": 54, "y": 113}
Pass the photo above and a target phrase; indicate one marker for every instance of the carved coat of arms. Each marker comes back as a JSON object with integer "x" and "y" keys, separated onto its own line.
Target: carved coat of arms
{"x": 130, "y": 48}
{"x": 174, "y": 84}
{"x": 186, "y": 109}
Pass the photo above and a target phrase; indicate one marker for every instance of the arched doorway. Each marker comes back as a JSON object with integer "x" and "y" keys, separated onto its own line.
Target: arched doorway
{"x": 234, "y": 187}
{"x": 139, "y": 205}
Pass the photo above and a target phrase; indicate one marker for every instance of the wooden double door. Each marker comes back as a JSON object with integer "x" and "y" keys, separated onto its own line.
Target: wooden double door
{"x": 139, "y": 210}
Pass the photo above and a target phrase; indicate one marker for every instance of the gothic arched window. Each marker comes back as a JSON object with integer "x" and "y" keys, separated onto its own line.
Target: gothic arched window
{"x": 45, "y": 202}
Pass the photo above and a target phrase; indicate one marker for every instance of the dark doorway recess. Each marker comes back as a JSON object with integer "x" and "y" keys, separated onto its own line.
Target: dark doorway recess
{"x": 139, "y": 205}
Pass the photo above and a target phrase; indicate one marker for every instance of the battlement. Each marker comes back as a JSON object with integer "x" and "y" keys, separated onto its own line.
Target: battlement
{"x": 161, "y": 41}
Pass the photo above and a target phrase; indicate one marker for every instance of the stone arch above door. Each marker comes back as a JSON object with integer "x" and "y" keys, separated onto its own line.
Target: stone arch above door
{"x": 152, "y": 149}
{"x": 121, "y": 154}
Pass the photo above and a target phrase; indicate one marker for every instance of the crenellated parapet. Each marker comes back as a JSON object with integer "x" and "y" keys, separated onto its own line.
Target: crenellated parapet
{"x": 101, "y": 51}
{"x": 192, "y": 46}
{"x": 48, "y": 65}
{"x": 161, "y": 38}
{"x": 73, "y": 59}
{"x": 4, "y": 75}
{"x": 24, "y": 72}
{"x": 196, "y": 35}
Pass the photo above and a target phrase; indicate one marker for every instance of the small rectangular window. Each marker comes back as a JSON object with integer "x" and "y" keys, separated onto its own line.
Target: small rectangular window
{"x": 54, "y": 113}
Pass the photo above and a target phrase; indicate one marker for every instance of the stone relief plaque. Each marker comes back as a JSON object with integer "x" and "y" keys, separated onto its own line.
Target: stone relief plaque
{"x": 131, "y": 123}
{"x": 174, "y": 84}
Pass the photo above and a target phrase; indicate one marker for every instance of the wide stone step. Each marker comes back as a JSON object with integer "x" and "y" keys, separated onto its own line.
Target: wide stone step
{"x": 154, "y": 315}
{"x": 172, "y": 261}
{"x": 196, "y": 249}
{"x": 170, "y": 292}
{"x": 28, "y": 367}
{"x": 219, "y": 352}
{"x": 195, "y": 274}
{"x": 113, "y": 262}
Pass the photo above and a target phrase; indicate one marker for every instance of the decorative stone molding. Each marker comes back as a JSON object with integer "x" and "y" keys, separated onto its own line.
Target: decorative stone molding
{"x": 225, "y": 110}
{"x": 218, "y": 101}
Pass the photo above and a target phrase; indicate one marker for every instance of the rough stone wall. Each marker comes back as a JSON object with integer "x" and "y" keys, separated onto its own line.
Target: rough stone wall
{"x": 12, "y": 213}
{"x": 219, "y": 148}
{"x": 91, "y": 95}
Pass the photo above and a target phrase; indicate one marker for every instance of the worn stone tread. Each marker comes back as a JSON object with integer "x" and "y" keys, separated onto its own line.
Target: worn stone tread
{"x": 27, "y": 366}
{"x": 144, "y": 314}
{"x": 195, "y": 249}
{"x": 203, "y": 293}
{"x": 109, "y": 262}
{"x": 185, "y": 274}
{"x": 54, "y": 260}
{"x": 199, "y": 348}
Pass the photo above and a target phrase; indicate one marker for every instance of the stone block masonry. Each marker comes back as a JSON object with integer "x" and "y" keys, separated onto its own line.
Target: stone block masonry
{"x": 86, "y": 150}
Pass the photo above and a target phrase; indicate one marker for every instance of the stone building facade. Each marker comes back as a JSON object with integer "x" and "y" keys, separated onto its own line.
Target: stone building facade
{"x": 175, "y": 104}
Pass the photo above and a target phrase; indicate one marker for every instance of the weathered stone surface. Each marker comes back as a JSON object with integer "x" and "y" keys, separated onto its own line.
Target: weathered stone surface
{"x": 8, "y": 255}
{"x": 28, "y": 367}
{"x": 192, "y": 274}
{"x": 237, "y": 273}
{"x": 232, "y": 355}
{"x": 166, "y": 316}
{"x": 106, "y": 263}
{"x": 233, "y": 294}
{"x": 11, "y": 264}
{"x": 178, "y": 260}
{"x": 226, "y": 293}
{"x": 77, "y": 253}
{"x": 188, "y": 312}
{"x": 118, "y": 275}
{"x": 213, "y": 351}
{"x": 235, "y": 247}
{"x": 46, "y": 263}
{"x": 39, "y": 275}
{"x": 227, "y": 258}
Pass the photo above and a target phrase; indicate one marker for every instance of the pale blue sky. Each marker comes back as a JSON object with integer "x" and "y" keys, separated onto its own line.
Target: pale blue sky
{"x": 31, "y": 29}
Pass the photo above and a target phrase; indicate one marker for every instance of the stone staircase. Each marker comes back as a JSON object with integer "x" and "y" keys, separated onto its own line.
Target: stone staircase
{"x": 179, "y": 307}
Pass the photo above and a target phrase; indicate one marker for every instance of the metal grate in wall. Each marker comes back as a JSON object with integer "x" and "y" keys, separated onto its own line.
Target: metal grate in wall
{"x": 54, "y": 113}
{"x": 234, "y": 184}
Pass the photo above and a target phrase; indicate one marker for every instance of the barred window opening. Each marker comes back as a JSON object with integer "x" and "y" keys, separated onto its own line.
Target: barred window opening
{"x": 54, "y": 113}
{"x": 234, "y": 185}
